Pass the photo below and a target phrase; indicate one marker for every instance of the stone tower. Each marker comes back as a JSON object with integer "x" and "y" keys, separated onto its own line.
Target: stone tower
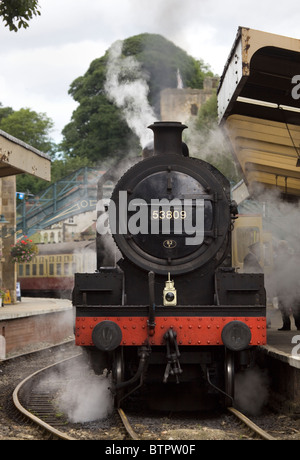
{"x": 182, "y": 104}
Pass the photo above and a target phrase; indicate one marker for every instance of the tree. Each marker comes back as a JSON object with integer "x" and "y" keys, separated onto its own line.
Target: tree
{"x": 16, "y": 13}
{"x": 98, "y": 130}
{"x": 160, "y": 60}
{"x": 5, "y": 112}
{"x": 34, "y": 129}
{"x": 30, "y": 127}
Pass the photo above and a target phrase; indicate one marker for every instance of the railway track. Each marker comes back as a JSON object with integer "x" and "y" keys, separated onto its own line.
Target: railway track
{"x": 38, "y": 407}
{"x": 252, "y": 426}
{"x": 36, "y": 404}
{"x": 254, "y": 430}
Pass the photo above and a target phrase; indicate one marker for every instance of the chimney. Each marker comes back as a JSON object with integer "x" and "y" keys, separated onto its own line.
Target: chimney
{"x": 167, "y": 137}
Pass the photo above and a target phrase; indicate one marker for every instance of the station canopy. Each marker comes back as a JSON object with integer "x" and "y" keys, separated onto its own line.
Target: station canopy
{"x": 259, "y": 110}
{"x": 17, "y": 157}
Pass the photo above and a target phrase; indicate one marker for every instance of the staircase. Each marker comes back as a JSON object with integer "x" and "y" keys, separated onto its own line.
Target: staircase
{"x": 74, "y": 194}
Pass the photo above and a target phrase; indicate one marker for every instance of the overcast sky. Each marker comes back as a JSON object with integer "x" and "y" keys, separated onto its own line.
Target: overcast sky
{"x": 37, "y": 65}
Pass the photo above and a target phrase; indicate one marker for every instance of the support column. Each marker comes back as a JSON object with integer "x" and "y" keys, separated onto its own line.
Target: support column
{"x": 9, "y": 269}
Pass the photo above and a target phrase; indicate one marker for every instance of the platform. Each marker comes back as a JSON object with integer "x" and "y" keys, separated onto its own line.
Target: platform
{"x": 33, "y": 323}
{"x": 30, "y": 306}
{"x": 281, "y": 359}
{"x": 282, "y": 344}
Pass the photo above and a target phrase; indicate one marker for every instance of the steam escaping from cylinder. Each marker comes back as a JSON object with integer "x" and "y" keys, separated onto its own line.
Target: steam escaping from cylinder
{"x": 251, "y": 390}
{"x": 127, "y": 87}
{"x": 84, "y": 396}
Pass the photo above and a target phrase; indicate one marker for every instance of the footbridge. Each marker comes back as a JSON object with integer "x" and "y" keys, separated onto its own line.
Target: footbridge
{"x": 74, "y": 194}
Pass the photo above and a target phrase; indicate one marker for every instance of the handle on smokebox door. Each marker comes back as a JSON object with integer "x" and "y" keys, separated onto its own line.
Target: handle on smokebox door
{"x": 151, "y": 320}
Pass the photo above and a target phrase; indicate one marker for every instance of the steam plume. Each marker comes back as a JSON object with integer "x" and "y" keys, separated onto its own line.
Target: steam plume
{"x": 127, "y": 87}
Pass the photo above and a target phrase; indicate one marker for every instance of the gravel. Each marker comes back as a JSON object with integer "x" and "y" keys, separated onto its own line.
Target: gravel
{"x": 148, "y": 425}
{"x": 13, "y": 371}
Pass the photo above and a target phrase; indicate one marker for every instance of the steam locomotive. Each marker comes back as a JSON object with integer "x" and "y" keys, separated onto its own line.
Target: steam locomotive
{"x": 172, "y": 309}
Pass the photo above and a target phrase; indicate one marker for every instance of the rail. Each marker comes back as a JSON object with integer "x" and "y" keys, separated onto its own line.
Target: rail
{"x": 36, "y": 420}
{"x": 256, "y": 429}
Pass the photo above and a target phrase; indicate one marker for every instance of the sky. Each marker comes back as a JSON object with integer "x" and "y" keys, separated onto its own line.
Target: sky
{"x": 37, "y": 65}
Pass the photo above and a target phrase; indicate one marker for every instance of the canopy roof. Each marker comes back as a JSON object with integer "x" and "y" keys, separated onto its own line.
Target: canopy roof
{"x": 17, "y": 157}
{"x": 259, "y": 109}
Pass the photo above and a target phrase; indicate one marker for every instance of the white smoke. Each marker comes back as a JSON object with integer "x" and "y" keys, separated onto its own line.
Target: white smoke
{"x": 251, "y": 390}
{"x": 282, "y": 220}
{"x": 202, "y": 145}
{"x": 86, "y": 399}
{"x": 88, "y": 255}
{"x": 81, "y": 395}
{"x": 127, "y": 87}
{"x": 179, "y": 80}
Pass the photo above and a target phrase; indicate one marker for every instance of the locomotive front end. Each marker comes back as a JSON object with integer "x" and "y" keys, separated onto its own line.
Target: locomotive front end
{"x": 172, "y": 304}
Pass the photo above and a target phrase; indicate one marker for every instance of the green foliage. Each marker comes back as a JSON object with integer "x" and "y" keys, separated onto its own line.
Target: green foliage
{"x": 16, "y": 13}
{"x": 5, "y": 112}
{"x": 32, "y": 128}
{"x": 97, "y": 130}
{"x": 208, "y": 114}
{"x": 160, "y": 60}
{"x": 28, "y": 126}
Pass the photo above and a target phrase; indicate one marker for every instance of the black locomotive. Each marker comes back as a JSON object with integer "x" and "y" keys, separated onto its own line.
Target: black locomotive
{"x": 171, "y": 309}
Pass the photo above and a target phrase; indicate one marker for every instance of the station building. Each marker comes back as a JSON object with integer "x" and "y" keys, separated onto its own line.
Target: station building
{"x": 16, "y": 157}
